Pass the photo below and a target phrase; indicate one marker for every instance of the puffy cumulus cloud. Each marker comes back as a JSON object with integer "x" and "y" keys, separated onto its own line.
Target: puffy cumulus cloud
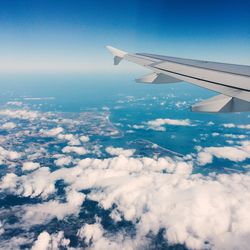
{"x": 159, "y": 123}
{"x": 237, "y": 153}
{"x": 8, "y": 155}
{"x": 192, "y": 209}
{"x": 52, "y": 132}
{"x": 77, "y": 150}
{"x": 20, "y": 114}
{"x": 204, "y": 158}
{"x": 41, "y": 182}
{"x": 38, "y": 183}
{"x": 120, "y": 151}
{"x": 8, "y": 126}
{"x": 43, "y": 212}
{"x": 91, "y": 232}
{"x": 63, "y": 161}
{"x": 45, "y": 241}
{"x": 9, "y": 182}
{"x": 95, "y": 237}
{"x": 84, "y": 138}
{"x": 233, "y": 136}
{"x": 72, "y": 139}
{"x": 202, "y": 212}
{"x": 231, "y": 125}
{"x": 247, "y": 126}
{"x": 27, "y": 166}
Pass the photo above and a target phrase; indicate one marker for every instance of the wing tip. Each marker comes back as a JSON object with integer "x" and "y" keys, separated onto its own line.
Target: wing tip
{"x": 117, "y": 53}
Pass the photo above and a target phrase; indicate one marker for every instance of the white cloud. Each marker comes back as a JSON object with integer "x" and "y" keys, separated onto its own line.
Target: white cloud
{"x": 15, "y": 103}
{"x": 151, "y": 193}
{"x": 215, "y": 134}
{"x": 8, "y": 126}
{"x": 20, "y": 114}
{"x": 9, "y": 182}
{"x": 84, "y": 138}
{"x": 247, "y": 126}
{"x": 43, "y": 212}
{"x": 91, "y": 232}
{"x": 52, "y": 132}
{"x": 237, "y": 153}
{"x": 204, "y": 158}
{"x": 138, "y": 126}
{"x": 180, "y": 104}
{"x": 77, "y": 150}
{"x": 14, "y": 242}
{"x": 210, "y": 123}
{"x": 178, "y": 201}
{"x": 231, "y": 125}
{"x": 9, "y": 154}
{"x": 63, "y": 161}
{"x": 120, "y": 151}
{"x": 97, "y": 238}
{"x": 34, "y": 184}
{"x": 230, "y": 141}
{"x": 27, "y": 166}
{"x": 1, "y": 228}
{"x": 45, "y": 241}
{"x": 233, "y": 136}
{"x": 73, "y": 140}
{"x": 159, "y": 123}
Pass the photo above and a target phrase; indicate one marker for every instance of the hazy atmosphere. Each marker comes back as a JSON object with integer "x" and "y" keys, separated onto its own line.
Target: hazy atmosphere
{"x": 89, "y": 159}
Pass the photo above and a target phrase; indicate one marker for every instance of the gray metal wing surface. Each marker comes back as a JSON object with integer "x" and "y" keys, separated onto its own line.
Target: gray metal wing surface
{"x": 231, "y": 81}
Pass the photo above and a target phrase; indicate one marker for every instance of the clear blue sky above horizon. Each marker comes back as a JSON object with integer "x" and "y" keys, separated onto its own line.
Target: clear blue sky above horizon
{"x": 70, "y": 36}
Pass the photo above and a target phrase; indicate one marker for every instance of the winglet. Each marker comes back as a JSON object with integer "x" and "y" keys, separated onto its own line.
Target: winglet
{"x": 118, "y": 54}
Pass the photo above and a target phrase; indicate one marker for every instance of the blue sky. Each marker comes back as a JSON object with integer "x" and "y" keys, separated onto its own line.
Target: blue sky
{"x": 69, "y": 36}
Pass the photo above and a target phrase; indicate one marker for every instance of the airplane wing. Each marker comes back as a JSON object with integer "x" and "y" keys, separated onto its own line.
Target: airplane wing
{"x": 231, "y": 81}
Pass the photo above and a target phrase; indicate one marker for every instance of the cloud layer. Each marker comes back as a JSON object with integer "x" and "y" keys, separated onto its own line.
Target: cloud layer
{"x": 54, "y": 162}
{"x": 159, "y": 124}
{"x": 194, "y": 210}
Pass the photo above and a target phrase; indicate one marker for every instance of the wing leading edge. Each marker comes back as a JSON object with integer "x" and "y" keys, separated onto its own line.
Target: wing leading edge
{"x": 232, "y": 81}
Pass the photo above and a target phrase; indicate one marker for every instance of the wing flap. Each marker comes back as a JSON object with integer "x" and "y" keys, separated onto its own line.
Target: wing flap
{"x": 221, "y": 104}
{"x": 220, "y": 88}
{"x": 157, "y": 79}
